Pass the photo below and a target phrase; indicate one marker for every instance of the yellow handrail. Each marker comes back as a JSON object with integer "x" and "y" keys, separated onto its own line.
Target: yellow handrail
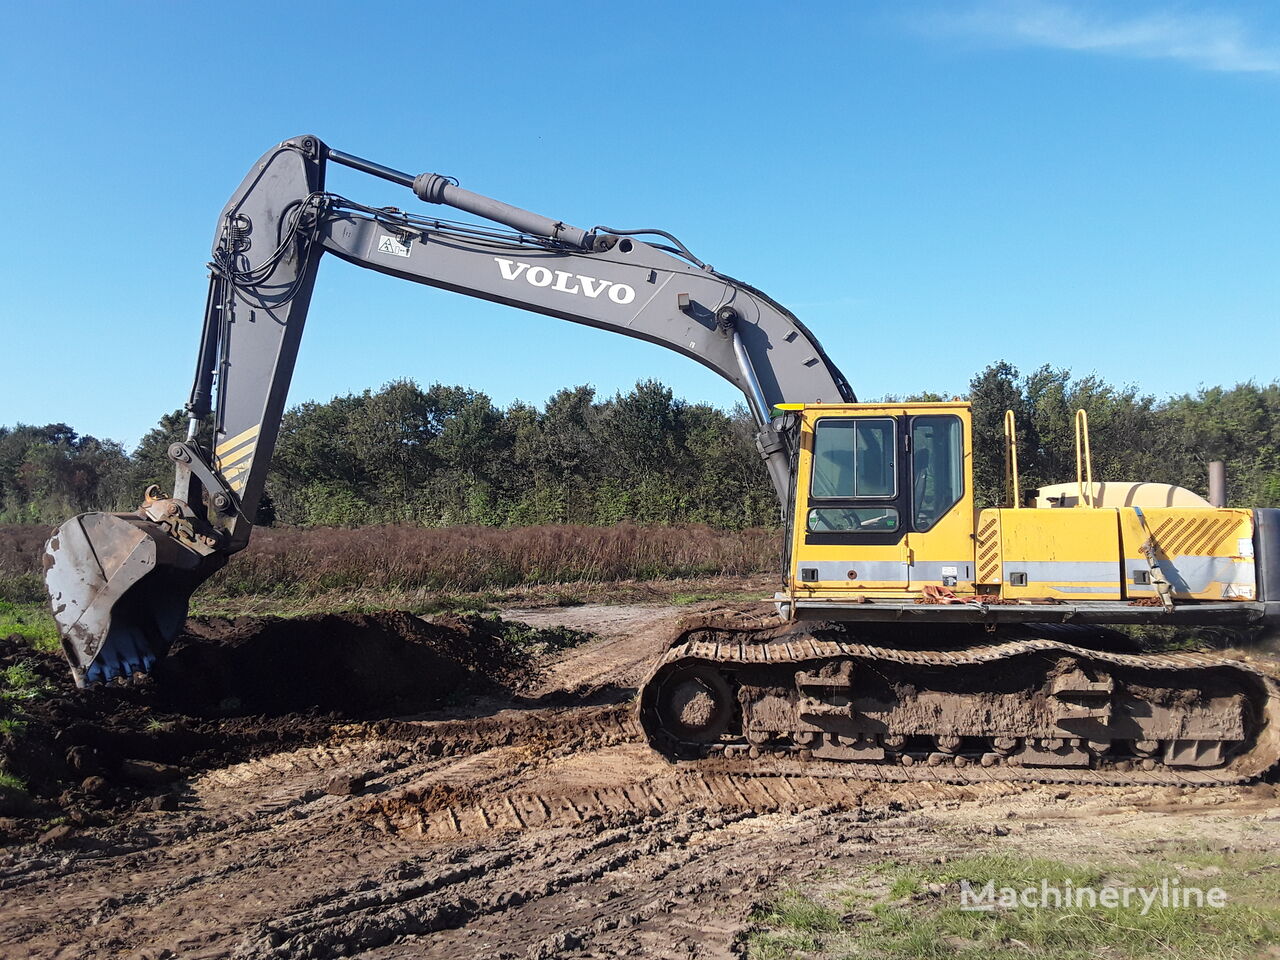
{"x": 1084, "y": 460}
{"x": 1012, "y": 488}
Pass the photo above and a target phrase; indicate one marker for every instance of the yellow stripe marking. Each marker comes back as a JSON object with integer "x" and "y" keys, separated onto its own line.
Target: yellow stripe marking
{"x": 230, "y": 475}
{"x": 228, "y": 445}
{"x": 231, "y": 459}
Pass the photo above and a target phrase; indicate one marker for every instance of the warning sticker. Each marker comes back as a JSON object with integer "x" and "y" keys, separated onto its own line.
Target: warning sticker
{"x": 392, "y": 246}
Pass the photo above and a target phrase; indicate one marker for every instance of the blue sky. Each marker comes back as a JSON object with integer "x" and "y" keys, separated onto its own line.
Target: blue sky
{"x": 930, "y": 186}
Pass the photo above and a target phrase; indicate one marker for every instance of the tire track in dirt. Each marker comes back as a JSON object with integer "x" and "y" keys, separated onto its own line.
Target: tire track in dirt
{"x": 540, "y": 879}
{"x": 406, "y": 742}
{"x": 263, "y": 816}
{"x": 543, "y": 828}
{"x": 422, "y": 815}
{"x": 633, "y": 636}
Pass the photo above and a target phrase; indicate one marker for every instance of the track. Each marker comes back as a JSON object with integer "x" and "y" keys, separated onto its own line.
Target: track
{"x": 779, "y": 659}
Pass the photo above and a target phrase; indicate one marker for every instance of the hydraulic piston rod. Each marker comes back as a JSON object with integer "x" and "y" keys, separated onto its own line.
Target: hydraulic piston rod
{"x": 374, "y": 169}
{"x": 436, "y": 188}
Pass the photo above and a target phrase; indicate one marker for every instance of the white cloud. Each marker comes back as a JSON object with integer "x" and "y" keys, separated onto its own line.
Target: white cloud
{"x": 1210, "y": 41}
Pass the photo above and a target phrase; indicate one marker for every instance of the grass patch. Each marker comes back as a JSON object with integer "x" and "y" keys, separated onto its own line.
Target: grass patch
{"x": 300, "y": 564}
{"x": 24, "y": 587}
{"x": 19, "y": 681}
{"x": 11, "y": 726}
{"x": 1156, "y": 638}
{"x": 533, "y": 640}
{"x": 898, "y": 910}
{"x": 451, "y": 603}
{"x": 726, "y": 596}
{"x": 30, "y": 621}
{"x": 9, "y": 782}
{"x": 202, "y": 606}
{"x": 430, "y": 602}
{"x": 797, "y": 912}
{"x": 19, "y": 685}
{"x": 772, "y": 945}
{"x": 428, "y": 570}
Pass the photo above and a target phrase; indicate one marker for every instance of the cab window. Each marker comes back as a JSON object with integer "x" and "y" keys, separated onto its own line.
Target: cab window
{"x": 847, "y": 519}
{"x": 937, "y": 468}
{"x": 854, "y": 458}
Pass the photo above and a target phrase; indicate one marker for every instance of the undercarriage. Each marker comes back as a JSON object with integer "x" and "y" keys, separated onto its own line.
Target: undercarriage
{"x": 1046, "y": 702}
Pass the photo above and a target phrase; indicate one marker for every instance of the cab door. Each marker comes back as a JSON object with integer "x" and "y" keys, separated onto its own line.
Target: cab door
{"x": 853, "y": 535}
{"x": 940, "y": 544}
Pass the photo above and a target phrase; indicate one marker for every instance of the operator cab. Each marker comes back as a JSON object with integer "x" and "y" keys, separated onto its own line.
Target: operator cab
{"x": 887, "y": 484}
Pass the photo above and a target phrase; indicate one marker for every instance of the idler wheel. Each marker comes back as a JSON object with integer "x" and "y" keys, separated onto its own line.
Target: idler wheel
{"x": 695, "y": 704}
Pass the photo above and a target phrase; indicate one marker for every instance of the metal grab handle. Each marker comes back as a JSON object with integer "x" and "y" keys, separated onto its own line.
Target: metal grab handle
{"x": 1012, "y": 487}
{"x": 1084, "y": 461}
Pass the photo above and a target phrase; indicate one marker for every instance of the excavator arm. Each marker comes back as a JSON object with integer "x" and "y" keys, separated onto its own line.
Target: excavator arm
{"x": 120, "y": 583}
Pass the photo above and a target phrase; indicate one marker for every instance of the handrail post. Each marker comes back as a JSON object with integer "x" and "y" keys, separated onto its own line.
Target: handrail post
{"x": 1084, "y": 461}
{"x": 1012, "y": 487}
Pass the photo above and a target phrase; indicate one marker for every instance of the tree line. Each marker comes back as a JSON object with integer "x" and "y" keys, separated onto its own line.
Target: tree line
{"x": 447, "y": 455}
{"x": 1133, "y": 436}
{"x": 437, "y": 456}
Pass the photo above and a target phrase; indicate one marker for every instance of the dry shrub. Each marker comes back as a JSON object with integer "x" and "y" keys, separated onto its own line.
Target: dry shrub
{"x": 21, "y": 546}
{"x": 294, "y": 563}
{"x": 21, "y": 577}
{"x": 394, "y": 558}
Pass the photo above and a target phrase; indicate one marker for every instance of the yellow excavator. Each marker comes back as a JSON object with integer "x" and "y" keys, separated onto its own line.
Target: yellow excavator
{"x": 918, "y": 635}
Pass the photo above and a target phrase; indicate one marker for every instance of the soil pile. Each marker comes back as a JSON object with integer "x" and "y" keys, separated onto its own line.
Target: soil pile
{"x": 357, "y": 665}
{"x": 231, "y": 690}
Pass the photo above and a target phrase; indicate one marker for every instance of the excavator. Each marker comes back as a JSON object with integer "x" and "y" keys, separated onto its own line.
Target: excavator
{"x": 918, "y": 634}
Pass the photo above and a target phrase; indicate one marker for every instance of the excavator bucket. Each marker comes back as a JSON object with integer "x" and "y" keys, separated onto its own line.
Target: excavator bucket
{"x": 119, "y": 585}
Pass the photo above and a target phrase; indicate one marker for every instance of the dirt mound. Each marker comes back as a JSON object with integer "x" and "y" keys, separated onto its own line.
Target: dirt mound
{"x": 357, "y": 665}
{"x": 229, "y": 690}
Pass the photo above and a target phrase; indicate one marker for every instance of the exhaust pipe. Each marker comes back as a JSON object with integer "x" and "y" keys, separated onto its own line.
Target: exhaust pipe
{"x": 119, "y": 585}
{"x": 1217, "y": 483}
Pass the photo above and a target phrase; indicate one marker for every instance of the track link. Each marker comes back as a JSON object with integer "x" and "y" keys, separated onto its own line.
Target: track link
{"x": 799, "y": 678}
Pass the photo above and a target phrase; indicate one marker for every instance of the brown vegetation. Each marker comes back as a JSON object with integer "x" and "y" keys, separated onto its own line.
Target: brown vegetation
{"x": 291, "y": 563}
{"x": 20, "y": 573}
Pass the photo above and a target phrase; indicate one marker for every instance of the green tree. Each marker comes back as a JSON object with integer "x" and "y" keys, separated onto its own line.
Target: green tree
{"x": 151, "y": 463}
{"x": 992, "y": 392}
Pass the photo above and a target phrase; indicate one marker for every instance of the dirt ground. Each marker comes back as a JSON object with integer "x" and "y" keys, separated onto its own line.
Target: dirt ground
{"x": 523, "y": 819}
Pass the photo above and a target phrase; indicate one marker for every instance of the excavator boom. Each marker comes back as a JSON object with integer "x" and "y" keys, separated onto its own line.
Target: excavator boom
{"x": 120, "y": 583}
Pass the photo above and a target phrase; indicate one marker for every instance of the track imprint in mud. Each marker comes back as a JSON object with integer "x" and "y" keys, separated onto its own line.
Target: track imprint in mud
{"x": 525, "y": 820}
{"x": 435, "y": 816}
